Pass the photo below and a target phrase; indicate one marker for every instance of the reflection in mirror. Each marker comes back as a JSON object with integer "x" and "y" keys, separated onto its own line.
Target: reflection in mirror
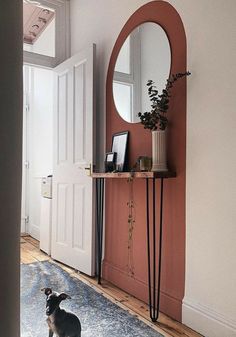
{"x": 145, "y": 55}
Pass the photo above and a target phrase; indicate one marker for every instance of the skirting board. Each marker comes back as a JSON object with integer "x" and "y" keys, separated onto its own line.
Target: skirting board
{"x": 34, "y": 231}
{"x": 207, "y": 321}
{"x": 169, "y": 304}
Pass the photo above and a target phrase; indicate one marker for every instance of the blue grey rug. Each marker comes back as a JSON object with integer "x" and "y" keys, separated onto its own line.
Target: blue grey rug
{"x": 99, "y": 317}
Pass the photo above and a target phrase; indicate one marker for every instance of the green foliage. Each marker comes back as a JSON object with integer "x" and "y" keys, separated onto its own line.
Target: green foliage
{"x": 156, "y": 118}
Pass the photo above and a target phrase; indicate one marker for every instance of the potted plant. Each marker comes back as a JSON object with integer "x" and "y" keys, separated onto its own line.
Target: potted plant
{"x": 156, "y": 120}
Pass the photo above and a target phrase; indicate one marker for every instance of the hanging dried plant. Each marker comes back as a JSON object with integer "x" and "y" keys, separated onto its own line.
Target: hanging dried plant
{"x": 131, "y": 223}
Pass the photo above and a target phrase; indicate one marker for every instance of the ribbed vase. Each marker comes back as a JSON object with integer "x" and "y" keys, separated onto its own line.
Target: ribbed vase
{"x": 159, "y": 151}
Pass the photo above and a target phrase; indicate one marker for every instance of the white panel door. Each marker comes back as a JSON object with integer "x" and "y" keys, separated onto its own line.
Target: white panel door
{"x": 73, "y": 225}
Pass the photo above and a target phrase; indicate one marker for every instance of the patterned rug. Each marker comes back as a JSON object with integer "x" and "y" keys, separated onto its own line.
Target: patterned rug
{"x": 99, "y": 317}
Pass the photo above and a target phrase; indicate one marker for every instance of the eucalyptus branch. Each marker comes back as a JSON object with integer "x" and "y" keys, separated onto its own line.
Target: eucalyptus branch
{"x": 156, "y": 118}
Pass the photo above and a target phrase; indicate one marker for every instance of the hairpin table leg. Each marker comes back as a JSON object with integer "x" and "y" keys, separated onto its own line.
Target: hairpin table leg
{"x": 154, "y": 296}
{"x": 99, "y": 223}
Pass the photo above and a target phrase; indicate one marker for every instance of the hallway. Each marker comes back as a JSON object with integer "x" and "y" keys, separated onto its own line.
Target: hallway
{"x": 31, "y": 253}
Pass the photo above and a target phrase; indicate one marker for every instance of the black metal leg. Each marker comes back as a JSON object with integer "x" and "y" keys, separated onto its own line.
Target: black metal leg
{"x": 148, "y": 249}
{"x": 99, "y": 223}
{"x": 160, "y": 245}
{"x": 154, "y": 302}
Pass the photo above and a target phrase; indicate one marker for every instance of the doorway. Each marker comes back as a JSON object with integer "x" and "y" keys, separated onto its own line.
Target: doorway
{"x": 37, "y": 144}
{"x": 60, "y": 142}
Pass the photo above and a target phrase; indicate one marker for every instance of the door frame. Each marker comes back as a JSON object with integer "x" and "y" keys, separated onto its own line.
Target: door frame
{"x": 27, "y": 160}
{"x": 25, "y": 152}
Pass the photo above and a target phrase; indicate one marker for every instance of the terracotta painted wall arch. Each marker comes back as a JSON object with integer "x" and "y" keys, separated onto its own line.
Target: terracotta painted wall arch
{"x": 117, "y": 255}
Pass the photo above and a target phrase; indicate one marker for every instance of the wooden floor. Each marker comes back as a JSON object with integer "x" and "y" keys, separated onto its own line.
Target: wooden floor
{"x": 30, "y": 253}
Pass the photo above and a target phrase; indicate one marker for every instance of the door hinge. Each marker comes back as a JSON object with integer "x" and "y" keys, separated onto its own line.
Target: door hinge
{"x": 26, "y": 164}
{"x": 27, "y": 106}
{"x": 26, "y": 219}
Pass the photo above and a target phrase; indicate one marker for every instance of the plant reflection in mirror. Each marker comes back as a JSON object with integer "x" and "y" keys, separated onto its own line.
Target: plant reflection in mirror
{"x": 156, "y": 119}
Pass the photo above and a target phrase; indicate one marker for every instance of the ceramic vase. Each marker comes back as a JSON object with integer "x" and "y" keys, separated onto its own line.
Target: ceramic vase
{"x": 159, "y": 151}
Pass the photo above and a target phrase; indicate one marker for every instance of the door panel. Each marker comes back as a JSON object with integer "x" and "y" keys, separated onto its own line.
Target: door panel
{"x": 62, "y": 222}
{"x": 62, "y": 117}
{"x": 24, "y": 164}
{"x": 80, "y": 113}
{"x": 73, "y": 202}
{"x": 78, "y": 219}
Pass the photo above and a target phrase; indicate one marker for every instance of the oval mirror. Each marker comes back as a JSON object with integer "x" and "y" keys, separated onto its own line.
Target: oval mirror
{"x": 145, "y": 55}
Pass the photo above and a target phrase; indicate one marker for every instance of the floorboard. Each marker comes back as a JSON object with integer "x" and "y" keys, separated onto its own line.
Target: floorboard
{"x": 168, "y": 327}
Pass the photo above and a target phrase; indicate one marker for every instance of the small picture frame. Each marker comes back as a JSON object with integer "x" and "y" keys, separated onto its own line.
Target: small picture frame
{"x": 110, "y": 161}
{"x": 119, "y": 145}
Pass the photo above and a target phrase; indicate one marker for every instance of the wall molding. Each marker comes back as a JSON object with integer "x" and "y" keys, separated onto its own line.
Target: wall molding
{"x": 139, "y": 289}
{"x": 206, "y": 320}
{"x": 34, "y": 231}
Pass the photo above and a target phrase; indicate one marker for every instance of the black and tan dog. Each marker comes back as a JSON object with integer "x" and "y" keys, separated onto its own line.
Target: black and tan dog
{"x": 60, "y": 322}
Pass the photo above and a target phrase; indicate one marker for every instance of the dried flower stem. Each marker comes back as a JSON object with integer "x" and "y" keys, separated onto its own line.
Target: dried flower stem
{"x": 131, "y": 222}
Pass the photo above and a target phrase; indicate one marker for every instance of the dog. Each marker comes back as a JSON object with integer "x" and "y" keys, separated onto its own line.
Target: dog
{"x": 60, "y": 322}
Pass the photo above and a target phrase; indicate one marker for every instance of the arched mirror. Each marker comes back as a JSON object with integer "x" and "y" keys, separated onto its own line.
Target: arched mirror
{"x": 145, "y": 55}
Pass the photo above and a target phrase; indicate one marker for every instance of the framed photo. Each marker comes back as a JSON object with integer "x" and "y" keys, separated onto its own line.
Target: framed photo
{"x": 110, "y": 162}
{"x": 119, "y": 145}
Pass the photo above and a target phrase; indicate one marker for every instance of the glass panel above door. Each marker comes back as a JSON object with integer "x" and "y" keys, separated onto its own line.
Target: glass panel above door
{"x": 39, "y": 29}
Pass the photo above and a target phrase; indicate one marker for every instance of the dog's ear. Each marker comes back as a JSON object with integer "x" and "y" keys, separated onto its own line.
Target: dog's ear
{"x": 64, "y": 296}
{"x": 47, "y": 291}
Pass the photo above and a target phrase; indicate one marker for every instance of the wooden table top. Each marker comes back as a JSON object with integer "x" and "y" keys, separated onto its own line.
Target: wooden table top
{"x": 127, "y": 175}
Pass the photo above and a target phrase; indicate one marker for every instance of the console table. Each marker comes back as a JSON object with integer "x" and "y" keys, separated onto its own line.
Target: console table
{"x": 154, "y": 278}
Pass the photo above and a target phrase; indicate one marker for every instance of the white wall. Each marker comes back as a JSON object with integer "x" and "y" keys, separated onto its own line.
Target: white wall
{"x": 210, "y": 301}
{"x": 40, "y": 141}
{"x": 211, "y": 163}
